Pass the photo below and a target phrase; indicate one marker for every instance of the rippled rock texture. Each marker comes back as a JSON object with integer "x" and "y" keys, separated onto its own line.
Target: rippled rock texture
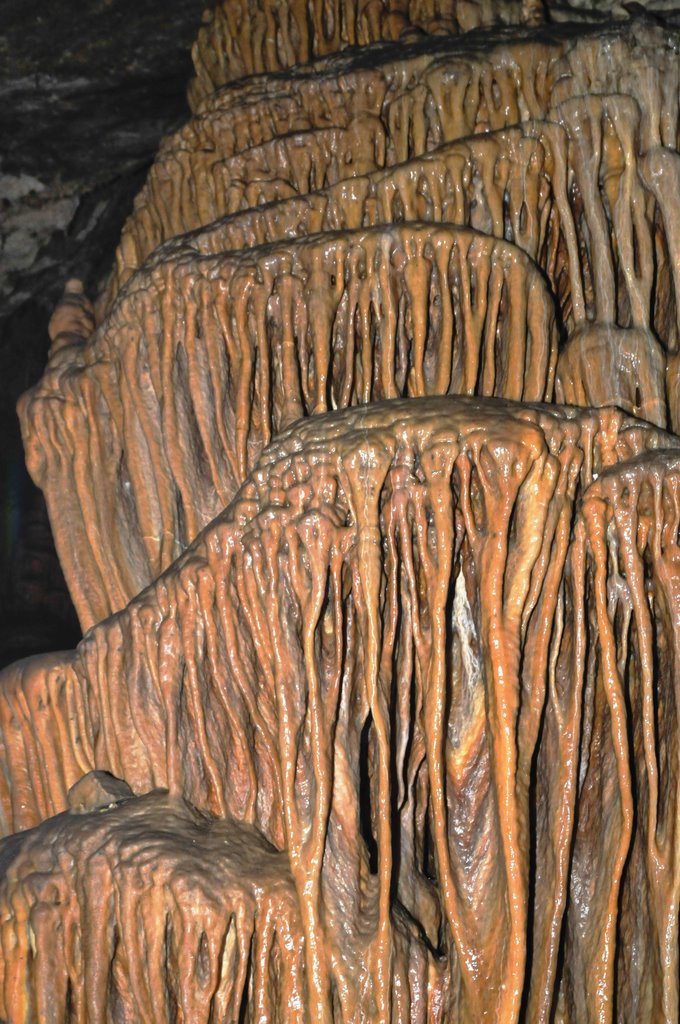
{"x": 356, "y": 658}
{"x": 327, "y": 321}
{"x": 364, "y": 480}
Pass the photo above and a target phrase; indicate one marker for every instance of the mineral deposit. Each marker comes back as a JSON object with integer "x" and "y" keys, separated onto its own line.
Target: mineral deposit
{"x": 364, "y": 471}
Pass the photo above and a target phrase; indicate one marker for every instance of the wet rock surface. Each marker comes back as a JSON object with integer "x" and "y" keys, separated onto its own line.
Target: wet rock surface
{"x": 334, "y": 320}
{"x": 368, "y": 584}
{"x": 123, "y": 869}
{"x": 363, "y": 477}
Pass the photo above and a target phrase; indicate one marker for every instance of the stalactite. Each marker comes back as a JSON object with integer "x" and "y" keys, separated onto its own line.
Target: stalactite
{"x": 241, "y": 38}
{"x": 249, "y": 678}
{"x": 203, "y": 360}
{"x": 497, "y": 182}
{"x": 421, "y": 97}
{"x": 376, "y": 715}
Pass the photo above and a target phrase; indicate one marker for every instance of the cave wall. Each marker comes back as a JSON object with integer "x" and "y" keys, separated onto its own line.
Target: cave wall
{"x": 85, "y": 97}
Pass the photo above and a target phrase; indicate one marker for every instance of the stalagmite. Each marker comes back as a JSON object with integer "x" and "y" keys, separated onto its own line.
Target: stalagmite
{"x": 361, "y": 484}
{"x": 147, "y": 911}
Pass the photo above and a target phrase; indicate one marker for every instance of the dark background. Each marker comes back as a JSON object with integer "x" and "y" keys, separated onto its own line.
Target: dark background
{"x": 86, "y": 92}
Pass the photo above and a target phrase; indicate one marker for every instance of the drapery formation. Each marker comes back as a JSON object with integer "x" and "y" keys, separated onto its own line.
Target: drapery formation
{"x": 206, "y": 360}
{"x": 365, "y": 488}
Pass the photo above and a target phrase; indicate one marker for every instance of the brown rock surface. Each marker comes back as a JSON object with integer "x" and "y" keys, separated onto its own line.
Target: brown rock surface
{"x": 355, "y": 658}
{"x": 147, "y": 911}
{"x": 396, "y": 640}
{"x": 623, "y": 918}
{"x": 497, "y": 182}
{"x": 422, "y": 96}
{"x": 326, "y": 322}
{"x": 241, "y": 38}
{"x": 97, "y": 791}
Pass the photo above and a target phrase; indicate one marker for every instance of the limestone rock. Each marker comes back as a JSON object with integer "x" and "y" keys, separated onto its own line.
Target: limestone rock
{"x": 421, "y": 95}
{"x": 394, "y": 605}
{"x": 395, "y": 635}
{"x": 243, "y": 38}
{"x": 144, "y": 435}
{"x": 97, "y": 791}
{"x": 151, "y": 911}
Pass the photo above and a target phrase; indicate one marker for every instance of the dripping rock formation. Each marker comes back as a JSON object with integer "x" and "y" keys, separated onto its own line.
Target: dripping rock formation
{"x": 364, "y": 473}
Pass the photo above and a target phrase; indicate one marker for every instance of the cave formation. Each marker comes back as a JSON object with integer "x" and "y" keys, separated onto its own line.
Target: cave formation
{"x": 364, "y": 474}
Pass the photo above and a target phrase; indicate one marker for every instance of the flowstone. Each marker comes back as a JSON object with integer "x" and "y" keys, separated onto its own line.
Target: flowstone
{"x": 362, "y": 474}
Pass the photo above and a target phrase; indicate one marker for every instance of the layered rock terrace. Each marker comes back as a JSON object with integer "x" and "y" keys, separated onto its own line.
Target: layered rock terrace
{"x": 365, "y": 477}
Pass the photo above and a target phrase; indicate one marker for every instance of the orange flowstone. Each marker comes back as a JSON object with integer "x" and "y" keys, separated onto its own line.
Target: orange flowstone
{"x": 377, "y": 715}
{"x": 394, "y": 605}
